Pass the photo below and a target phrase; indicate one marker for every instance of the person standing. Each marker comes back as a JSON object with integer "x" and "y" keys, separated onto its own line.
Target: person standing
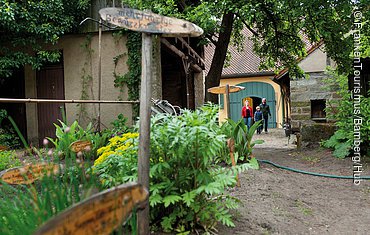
{"x": 265, "y": 108}
{"x": 258, "y": 116}
{"x": 247, "y": 114}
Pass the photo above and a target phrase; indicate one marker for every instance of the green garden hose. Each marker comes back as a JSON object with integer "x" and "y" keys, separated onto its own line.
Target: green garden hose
{"x": 313, "y": 173}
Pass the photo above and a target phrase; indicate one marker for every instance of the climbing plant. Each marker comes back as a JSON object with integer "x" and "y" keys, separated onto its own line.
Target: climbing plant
{"x": 86, "y": 78}
{"x": 132, "y": 78}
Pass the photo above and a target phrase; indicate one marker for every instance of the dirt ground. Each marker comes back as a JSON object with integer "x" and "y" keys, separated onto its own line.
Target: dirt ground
{"x": 276, "y": 201}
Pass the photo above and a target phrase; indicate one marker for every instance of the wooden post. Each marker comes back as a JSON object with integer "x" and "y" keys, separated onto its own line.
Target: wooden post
{"x": 299, "y": 142}
{"x": 144, "y": 131}
{"x": 99, "y": 74}
{"x": 227, "y": 95}
{"x": 231, "y": 145}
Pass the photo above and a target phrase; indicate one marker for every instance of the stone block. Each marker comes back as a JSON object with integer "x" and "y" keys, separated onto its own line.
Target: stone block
{"x": 306, "y": 109}
{"x": 301, "y": 104}
{"x": 317, "y": 132}
{"x": 301, "y": 117}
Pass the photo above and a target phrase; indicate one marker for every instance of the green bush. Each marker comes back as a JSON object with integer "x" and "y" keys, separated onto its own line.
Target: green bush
{"x": 117, "y": 162}
{"x": 341, "y": 110}
{"x": 66, "y": 135}
{"x": 8, "y": 137}
{"x": 8, "y": 159}
{"x": 239, "y": 132}
{"x": 187, "y": 187}
{"x": 119, "y": 126}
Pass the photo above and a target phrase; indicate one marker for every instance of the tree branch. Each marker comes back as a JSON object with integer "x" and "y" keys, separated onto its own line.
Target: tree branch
{"x": 247, "y": 25}
{"x": 209, "y": 37}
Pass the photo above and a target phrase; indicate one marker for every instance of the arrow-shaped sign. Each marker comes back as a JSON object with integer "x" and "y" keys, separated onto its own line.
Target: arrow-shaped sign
{"x": 148, "y": 22}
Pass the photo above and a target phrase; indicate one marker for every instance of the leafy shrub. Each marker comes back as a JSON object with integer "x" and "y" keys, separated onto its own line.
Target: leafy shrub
{"x": 117, "y": 162}
{"x": 119, "y": 126}
{"x": 66, "y": 135}
{"x": 8, "y": 159}
{"x": 341, "y": 110}
{"x": 242, "y": 137}
{"x": 187, "y": 187}
{"x": 8, "y": 137}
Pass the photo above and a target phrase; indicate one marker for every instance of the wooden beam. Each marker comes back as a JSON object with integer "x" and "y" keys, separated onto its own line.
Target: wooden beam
{"x": 181, "y": 54}
{"x": 192, "y": 50}
{"x": 173, "y": 48}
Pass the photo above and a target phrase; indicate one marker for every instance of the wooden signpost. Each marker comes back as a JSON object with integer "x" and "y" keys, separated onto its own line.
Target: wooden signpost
{"x": 227, "y": 89}
{"x": 148, "y": 23}
{"x": 3, "y": 148}
{"x": 28, "y": 174}
{"x": 81, "y": 146}
{"x": 99, "y": 214}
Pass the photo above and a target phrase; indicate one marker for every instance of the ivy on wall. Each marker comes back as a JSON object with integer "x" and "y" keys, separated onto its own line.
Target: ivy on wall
{"x": 132, "y": 78}
{"x": 86, "y": 80}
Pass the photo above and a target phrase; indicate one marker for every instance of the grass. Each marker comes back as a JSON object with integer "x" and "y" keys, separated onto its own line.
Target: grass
{"x": 49, "y": 196}
{"x": 303, "y": 207}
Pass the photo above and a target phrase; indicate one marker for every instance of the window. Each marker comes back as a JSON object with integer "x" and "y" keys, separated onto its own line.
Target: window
{"x": 318, "y": 109}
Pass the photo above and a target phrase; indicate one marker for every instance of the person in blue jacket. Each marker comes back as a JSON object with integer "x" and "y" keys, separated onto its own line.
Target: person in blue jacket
{"x": 257, "y": 117}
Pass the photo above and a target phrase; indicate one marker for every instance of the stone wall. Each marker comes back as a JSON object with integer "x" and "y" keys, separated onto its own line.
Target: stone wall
{"x": 302, "y": 91}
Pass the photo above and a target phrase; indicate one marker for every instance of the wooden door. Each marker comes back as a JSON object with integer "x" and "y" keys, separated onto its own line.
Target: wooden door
{"x": 50, "y": 85}
{"x": 253, "y": 90}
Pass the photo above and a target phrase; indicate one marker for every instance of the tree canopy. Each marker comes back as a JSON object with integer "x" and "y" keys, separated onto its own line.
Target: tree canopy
{"x": 281, "y": 28}
{"x": 25, "y": 26}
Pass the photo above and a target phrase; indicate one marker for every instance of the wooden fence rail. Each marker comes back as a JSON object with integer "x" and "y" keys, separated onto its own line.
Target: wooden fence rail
{"x": 29, "y": 100}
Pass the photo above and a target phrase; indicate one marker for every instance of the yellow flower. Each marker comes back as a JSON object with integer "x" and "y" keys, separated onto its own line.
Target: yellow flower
{"x": 116, "y": 145}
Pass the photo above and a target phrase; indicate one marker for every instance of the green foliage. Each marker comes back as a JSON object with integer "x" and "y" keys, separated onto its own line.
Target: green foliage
{"x": 28, "y": 25}
{"x": 8, "y": 159}
{"x": 66, "y": 135}
{"x": 133, "y": 77}
{"x": 86, "y": 79}
{"x": 8, "y": 136}
{"x": 119, "y": 126}
{"x": 22, "y": 213}
{"x": 341, "y": 110}
{"x": 277, "y": 26}
{"x": 117, "y": 162}
{"x": 242, "y": 137}
{"x": 187, "y": 187}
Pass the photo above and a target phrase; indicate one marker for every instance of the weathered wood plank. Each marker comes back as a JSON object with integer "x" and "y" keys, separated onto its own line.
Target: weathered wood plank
{"x": 144, "y": 126}
{"x": 28, "y": 174}
{"x": 99, "y": 214}
{"x": 3, "y": 148}
{"x": 148, "y": 22}
{"x": 81, "y": 146}
{"x": 222, "y": 89}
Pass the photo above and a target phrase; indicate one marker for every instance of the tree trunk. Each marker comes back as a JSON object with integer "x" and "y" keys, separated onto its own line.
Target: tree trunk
{"x": 214, "y": 74}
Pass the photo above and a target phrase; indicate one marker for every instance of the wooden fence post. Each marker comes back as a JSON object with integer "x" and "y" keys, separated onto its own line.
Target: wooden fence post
{"x": 144, "y": 131}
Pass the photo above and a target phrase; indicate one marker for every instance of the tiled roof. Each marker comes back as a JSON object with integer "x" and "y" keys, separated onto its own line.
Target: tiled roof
{"x": 246, "y": 61}
{"x": 242, "y": 62}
